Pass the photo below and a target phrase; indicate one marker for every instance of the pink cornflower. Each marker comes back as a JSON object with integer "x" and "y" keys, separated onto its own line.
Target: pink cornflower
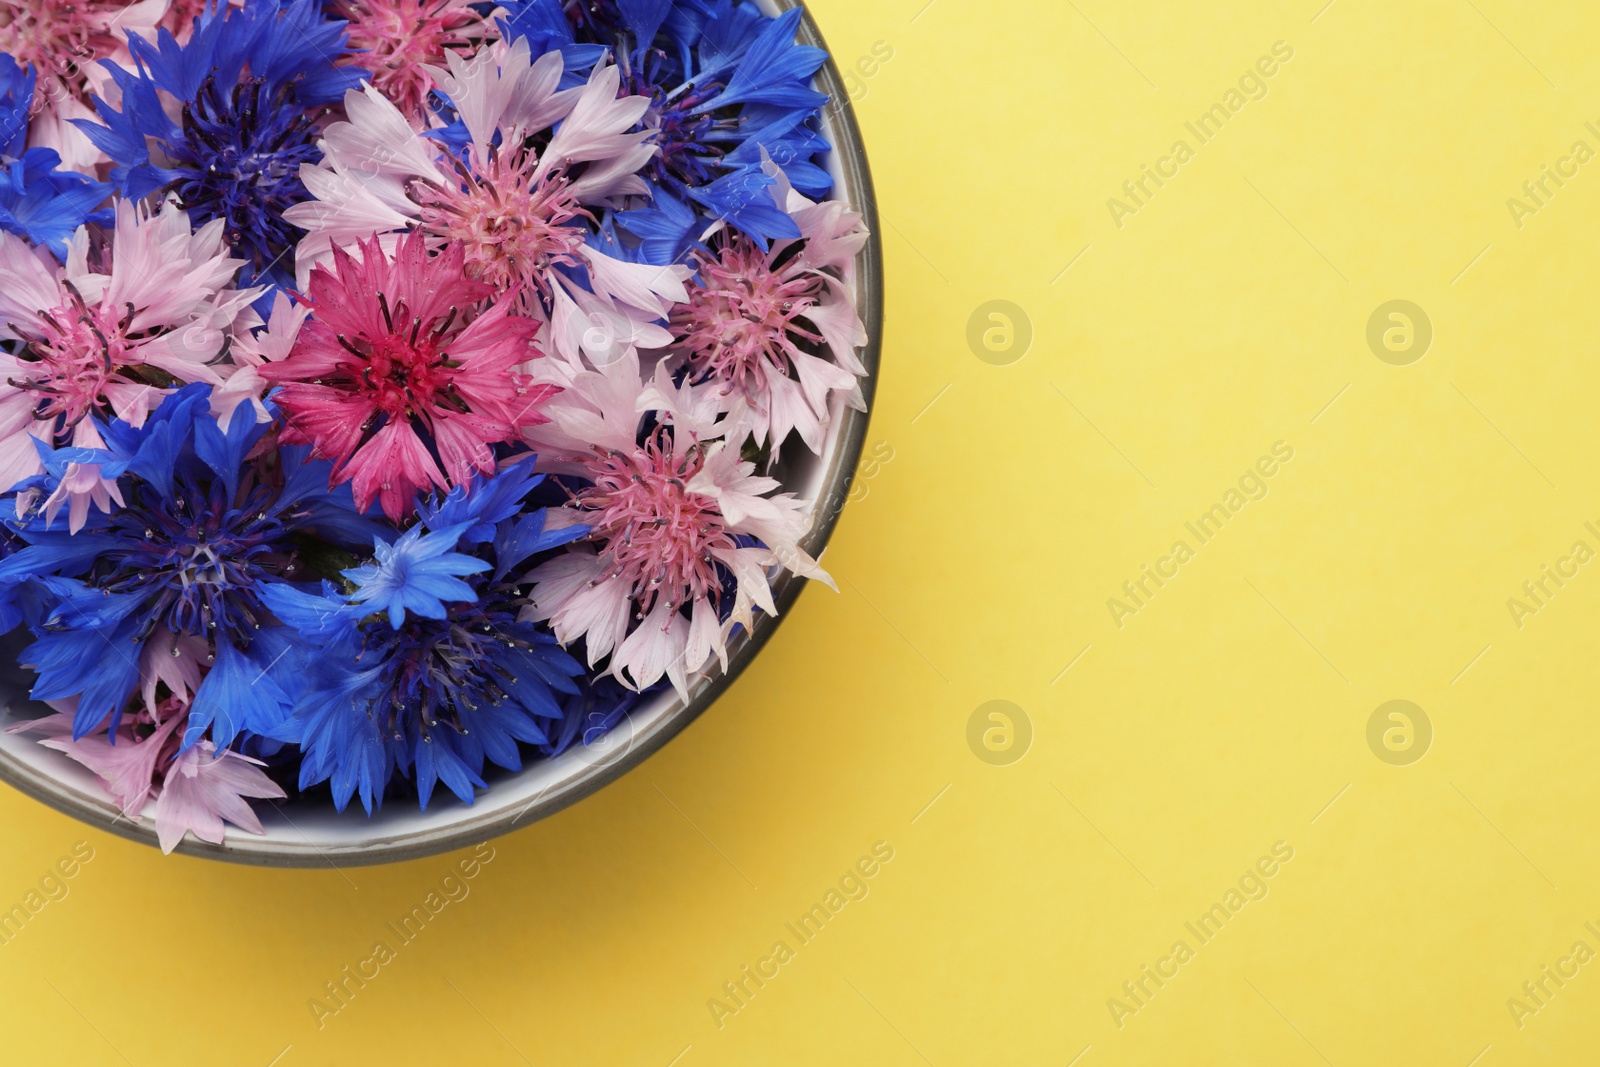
{"x": 109, "y": 333}
{"x": 673, "y": 525}
{"x": 522, "y": 215}
{"x": 203, "y": 788}
{"x": 398, "y": 39}
{"x": 142, "y": 769}
{"x": 758, "y": 326}
{"x": 397, "y": 355}
{"x": 62, "y": 40}
{"x": 658, "y": 537}
{"x": 513, "y": 222}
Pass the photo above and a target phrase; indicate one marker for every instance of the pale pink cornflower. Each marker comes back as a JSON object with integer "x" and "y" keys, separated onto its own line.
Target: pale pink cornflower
{"x": 518, "y": 213}
{"x": 670, "y": 526}
{"x": 127, "y": 764}
{"x": 760, "y": 326}
{"x": 397, "y": 354}
{"x": 62, "y": 41}
{"x": 108, "y": 333}
{"x": 255, "y": 345}
{"x": 144, "y": 772}
{"x": 54, "y": 127}
{"x": 397, "y": 40}
{"x": 203, "y": 788}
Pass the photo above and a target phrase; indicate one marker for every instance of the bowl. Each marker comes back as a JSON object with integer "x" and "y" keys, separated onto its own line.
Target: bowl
{"x": 307, "y": 832}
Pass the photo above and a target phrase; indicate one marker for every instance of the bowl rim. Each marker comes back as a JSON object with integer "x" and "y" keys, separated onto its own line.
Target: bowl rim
{"x": 850, "y": 155}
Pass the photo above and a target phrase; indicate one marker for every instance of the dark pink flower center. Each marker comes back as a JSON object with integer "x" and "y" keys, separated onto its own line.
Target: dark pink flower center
{"x": 395, "y": 38}
{"x": 655, "y": 534}
{"x": 740, "y": 319}
{"x": 512, "y": 227}
{"x": 405, "y": 370}
{"x": 77, "y": 352}
{"x": 58, "y": 38}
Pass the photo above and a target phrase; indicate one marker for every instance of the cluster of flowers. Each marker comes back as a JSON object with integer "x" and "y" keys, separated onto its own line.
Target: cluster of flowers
{"x": 389, "y": 388}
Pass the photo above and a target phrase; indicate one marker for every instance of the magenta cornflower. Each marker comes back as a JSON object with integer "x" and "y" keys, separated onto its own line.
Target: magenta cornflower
{"x": 398, "y": 365}
{"x": 398, "y": 39}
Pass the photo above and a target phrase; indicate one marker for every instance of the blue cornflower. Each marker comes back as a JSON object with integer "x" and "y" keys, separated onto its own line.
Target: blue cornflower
{"x": 202, "y": 530}
{"x": 744, "y": 198}
{"x": 605, "y": 19}
{"x": 45, "y": 204}
{"x": 666, "y": 232}
{"x": 723, "y": 87}
{"x": 418, "y": 573}
{"x": 591, "y": 713}
{"x": 11, "y": 612}
{"x": 38, "y": 200}
{"x": 249, "y": 87}
{"x": 16, "y": 103}
{"x": 545, "y": 26}
{"x": 724, "y": 81}
{"x": 430, "y": 695}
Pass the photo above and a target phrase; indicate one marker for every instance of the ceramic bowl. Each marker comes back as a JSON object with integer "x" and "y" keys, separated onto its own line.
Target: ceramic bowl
{"x": 307, "y": 832}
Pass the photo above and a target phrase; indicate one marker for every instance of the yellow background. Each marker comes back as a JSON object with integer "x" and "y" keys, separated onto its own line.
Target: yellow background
{"x": 1223, "y": 717}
